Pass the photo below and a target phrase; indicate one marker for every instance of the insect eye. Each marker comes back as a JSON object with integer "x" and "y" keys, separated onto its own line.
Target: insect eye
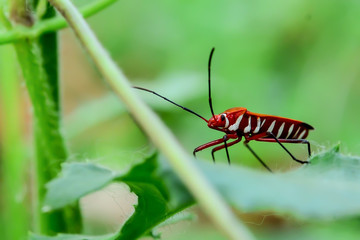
{"x": 222, "y": 117}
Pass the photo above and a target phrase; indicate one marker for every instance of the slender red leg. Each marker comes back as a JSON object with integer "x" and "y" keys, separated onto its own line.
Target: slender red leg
{"x": 207, "y": 145}
{"x": 224, "y": 146}
{"x": 261, "y": 137}
{"x": 304, "y": 141}
{"x": 280, "y": 141}
{"x": 216, "y": 142}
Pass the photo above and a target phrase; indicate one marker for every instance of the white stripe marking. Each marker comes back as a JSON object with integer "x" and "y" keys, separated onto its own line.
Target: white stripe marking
{"x": 263, "y": 122}
{"x": 257, "y": 125}
{"x": 290, "y": 130}
{"x": 235, "y": 126}
{"x": 280, "y": 130}
{"x": 296, "y": 133}
{"x": 226, "y": 121}
{"x": 302, "y": 134}
{"x": 248, "y": 127}
{"x": 272, "y": 125}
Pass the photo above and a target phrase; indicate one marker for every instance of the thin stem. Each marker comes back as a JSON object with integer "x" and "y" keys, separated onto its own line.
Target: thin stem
{"x": 50, "y": 25}
{"x": 193, "y": 178}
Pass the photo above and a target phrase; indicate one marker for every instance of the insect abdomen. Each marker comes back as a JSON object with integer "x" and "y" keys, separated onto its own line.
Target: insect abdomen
{"x": 282, "y": 128}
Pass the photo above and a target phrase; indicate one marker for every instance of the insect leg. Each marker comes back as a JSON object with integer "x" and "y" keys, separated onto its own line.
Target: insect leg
{"x": 207, "y": 145}
{"x": 215, "y": 142}
{"x": 256, "y": 156}
{"x": 279, "y": 141}
{"x": 226, "y": 147}
{"x": 304, "y": 141}
{"x": 227, "y": 152}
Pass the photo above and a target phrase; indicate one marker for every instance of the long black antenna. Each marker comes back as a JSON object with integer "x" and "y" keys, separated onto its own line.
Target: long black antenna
{"x": 186, "y": 109}
{"x": 209, "y": 82}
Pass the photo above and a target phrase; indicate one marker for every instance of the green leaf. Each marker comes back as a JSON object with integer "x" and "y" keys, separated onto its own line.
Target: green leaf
{"x": 146, "y": 180}
{"x": 155, "y": 188}
{"x": 327, "y": 188}
{"x": 77, "y": 180}
{"x": 344, "y": 229}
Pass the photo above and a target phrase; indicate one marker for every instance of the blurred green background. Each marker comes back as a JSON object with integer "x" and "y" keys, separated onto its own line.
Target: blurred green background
{"x": 296, "y": 59}
{"x": 291, "y": 58}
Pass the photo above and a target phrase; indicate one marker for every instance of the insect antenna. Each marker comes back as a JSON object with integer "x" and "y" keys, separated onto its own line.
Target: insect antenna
{"x": 209, "y": 82}
{"x": 186, "y": 109}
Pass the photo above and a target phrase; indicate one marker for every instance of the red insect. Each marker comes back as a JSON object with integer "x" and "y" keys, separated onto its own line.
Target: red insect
{"x": 238, "y": 122}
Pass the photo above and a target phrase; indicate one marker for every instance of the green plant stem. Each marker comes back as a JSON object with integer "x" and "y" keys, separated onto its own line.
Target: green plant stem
{"x": 38, "y": 61}
{"x": 13, "y": 160}
{"x": 193, "y": 178}
{"x": 49, "y": 25}
{"x": 50, "y": 149}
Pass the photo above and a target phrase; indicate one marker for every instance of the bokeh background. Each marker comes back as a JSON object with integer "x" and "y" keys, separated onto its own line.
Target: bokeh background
{"x": 292, "y": 58}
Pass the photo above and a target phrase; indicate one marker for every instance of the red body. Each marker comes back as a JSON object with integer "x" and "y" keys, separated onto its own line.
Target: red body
{"x": 241, "y": 122}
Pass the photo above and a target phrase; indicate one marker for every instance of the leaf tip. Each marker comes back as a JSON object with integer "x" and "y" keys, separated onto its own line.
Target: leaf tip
{"x": 336, "y": 148}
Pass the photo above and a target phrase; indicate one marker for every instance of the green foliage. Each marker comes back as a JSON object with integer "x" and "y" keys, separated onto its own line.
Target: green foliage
{"x": 49, "y": 25}
{"x": 42, "y": 84}
{"x": 327, "y": 188}
{"x": 344, "y": 229}
{"x": 79, "y": 179}
{"x": 36, "y": 47}
{"x": 157, "y": 200}
{"x": 272, "y": 57}
{"x": 14, "y": 224}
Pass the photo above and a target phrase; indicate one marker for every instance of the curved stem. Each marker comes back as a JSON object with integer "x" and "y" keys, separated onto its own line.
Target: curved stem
{"x": 208, "y": 198}
{"x": 50, "y": 25}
